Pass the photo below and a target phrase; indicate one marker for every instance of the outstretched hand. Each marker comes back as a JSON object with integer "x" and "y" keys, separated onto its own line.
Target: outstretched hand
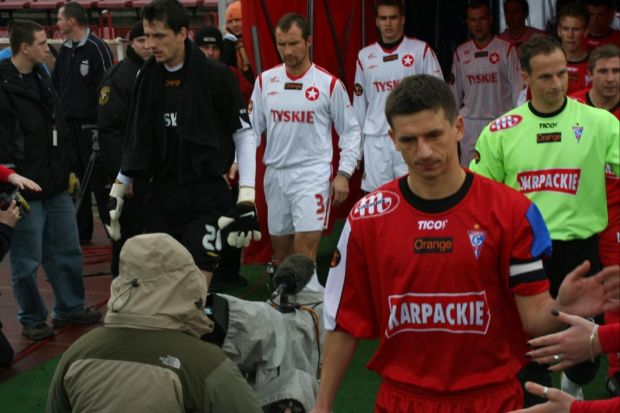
{"x": 572, "y": 345}
{"x": 589, "y": 296}
{"x": 559, "y": 402}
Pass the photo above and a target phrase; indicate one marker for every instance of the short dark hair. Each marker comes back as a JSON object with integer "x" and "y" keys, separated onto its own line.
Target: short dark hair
{"x": 289, "y": 19}
{"x": 172, "y": 13}
{"x": 538, "y": 44}
{"x": 609, "y": 3}
{"x": 606, "y": 51}
{"x": 524, "y": 4}
{"x": 390, "y": 3}
{"x": 420, "y": 92}
{"x": 73, "y": 10}
{"x": 476, "y": 4}
{"x": 22, "y": 31}
{"x": 574, "y": 9}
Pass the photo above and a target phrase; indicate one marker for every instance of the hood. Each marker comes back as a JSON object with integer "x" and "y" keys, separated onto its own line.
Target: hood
{"x": 159, "y": 288}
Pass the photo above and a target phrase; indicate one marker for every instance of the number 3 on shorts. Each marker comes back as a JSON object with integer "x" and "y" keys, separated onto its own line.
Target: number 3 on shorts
{"x": 212, "y": 241}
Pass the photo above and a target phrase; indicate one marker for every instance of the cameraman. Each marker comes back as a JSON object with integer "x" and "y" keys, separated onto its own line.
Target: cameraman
{"x": 34, "y": 137}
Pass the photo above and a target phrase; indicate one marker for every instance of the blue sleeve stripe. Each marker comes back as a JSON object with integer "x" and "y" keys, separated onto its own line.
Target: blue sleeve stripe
{"x": 541, "y": 243}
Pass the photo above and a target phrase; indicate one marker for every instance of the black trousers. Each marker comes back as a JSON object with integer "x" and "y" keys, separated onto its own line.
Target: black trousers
{"x": 565, "y": 257}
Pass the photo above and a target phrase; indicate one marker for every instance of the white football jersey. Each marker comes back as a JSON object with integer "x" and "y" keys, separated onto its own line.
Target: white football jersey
{"x": 379, "y": 70}
{"x": 297, "y": 114}
{"x": 486, "y": 82}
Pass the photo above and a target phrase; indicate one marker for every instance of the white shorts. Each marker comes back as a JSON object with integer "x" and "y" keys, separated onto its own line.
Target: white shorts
{"x": 382, "y": 162}
{"x": 297, "y": 198}
{"x": 473, "y": 129}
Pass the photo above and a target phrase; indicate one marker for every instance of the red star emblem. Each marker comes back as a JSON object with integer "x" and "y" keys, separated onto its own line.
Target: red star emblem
{"x": 312, "y": 93}
{"x": 407, "y": 60}
{"x": 494, "y": 58}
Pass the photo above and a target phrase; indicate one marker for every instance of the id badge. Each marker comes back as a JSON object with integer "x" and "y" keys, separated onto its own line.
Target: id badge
{"x": 54, "y": 136}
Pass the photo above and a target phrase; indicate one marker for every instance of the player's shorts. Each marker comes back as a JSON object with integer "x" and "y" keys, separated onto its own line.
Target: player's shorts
{"x": 382, "y": 162}
{"x": 297, "y": 198}
{"x": 609, "y": 239}
{"x": 189, "y": 213}
{"x": 473, "y": 129}
{"x": 397, "y": 397}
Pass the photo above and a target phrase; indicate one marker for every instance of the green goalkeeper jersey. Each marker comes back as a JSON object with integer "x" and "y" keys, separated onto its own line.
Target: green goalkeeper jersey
{"x": 557, "y": 160}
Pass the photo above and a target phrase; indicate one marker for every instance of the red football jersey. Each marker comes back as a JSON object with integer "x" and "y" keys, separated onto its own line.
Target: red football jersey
{"x": 578, "y": 78}
{"x": 592, "y": 43}
{"x": 435, "y": 281}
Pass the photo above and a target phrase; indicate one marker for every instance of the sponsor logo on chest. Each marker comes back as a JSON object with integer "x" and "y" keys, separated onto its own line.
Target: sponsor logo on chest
{"x": 548, "y": 137}
{"x": 565, "y": 181}
{"x": 460, "y": 313}
{"x": 390, "y": 58}
{"x": 377, "y": 203}
{"x": 292, "y": 116}
{"x": 387, "y": 85}
{"x": 505, "y": 122}
{"x": 482, "y": 78}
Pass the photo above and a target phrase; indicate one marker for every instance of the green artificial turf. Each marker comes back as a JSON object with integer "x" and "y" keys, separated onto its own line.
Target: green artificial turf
{"x": 27, "y": 393}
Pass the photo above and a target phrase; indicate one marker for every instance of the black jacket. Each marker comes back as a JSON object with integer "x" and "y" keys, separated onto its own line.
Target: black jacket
{"x": 27, "y": 132}
{"x": 210, "y": 110}
{"x": 113, "y": 110}
{"x": 77, "y": 73}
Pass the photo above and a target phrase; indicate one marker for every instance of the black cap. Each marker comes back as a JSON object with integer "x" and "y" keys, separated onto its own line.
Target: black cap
{"x": 209, "y": 35}
{"x": 137, "y": 30}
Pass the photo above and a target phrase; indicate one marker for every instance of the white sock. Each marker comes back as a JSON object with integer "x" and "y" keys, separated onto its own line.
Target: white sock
{"x": 314, "y": 284}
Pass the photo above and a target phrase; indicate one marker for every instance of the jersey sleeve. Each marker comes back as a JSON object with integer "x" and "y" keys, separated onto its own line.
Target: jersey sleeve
{"x": 455, "y": 81}
{"x": 256, "y": 111}
{"x": 488, "y": 159}
{"x": 360, "y": 102}
{"x": 431, "y": 64}
{"x": 531, "y": 242}
{"x": 514, "y": 75}
{"x": 346, "y": 125}
{"x": 348, "y": 304}
{"x": 613, "y": 144}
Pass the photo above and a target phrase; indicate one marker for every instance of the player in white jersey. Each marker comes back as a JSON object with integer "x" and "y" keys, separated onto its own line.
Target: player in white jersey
{"x": 296, "y": 104}
{"x": 486, "y": 77}
{"x": 517, "y": 32}
{"x": 380, "y": 67}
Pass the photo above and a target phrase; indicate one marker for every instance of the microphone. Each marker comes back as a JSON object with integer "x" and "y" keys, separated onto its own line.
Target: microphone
{"x": 292, "y": 275}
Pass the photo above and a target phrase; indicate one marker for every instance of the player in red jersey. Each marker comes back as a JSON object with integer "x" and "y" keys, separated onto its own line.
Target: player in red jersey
{"x": 604, "y": 70}
{"x": 444, "y": 266}
{"x": 600, "y": 31}
{"x": 515, "y": 14}
{"x": 572, "y": 29}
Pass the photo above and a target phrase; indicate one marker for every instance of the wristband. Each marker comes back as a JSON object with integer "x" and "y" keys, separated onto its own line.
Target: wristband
{"x": 592, "y": 334}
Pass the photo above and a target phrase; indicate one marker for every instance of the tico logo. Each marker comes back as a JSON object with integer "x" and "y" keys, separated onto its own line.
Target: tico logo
{"x": 505, "y": 122}
{"x": 476, "y": 239}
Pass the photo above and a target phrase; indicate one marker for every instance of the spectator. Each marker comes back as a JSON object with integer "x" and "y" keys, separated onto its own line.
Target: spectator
{"x": 234, "y": 51}
{"x": 380, "y": 67}
{"x": 149, "y": 357}
{"x": 186, "y": 121}
{"x": 572, "y": 29}
{"x": 515, "y": 14}
{"x": 429, "y": 246}
{"x": 31, "y": 123}
{"x": 296, "y": 104}
{"x": 9, "y": 215}
{"x": 560, "y": 167}
{"x": 80, "y": 65}
{"x": 485, "y": 77}
{"x": 582, "y": 341}
{"x": 112, "y": 114}
{"x": 600, "y": 32}
{"x": 209, "y": 40}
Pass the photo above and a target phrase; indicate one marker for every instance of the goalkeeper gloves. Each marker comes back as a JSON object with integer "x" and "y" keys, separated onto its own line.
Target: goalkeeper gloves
{"x": 115, "y": 206}
{"x": 242, "y": 220}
